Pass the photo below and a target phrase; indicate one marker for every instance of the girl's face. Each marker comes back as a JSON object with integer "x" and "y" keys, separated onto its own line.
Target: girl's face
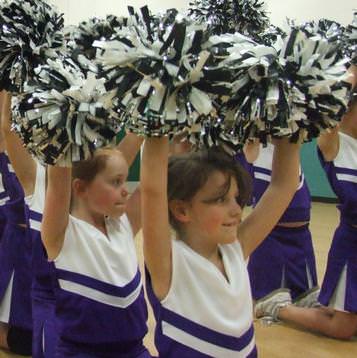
{"x": 214, "y": 211}
{"x": 107, "y": 193}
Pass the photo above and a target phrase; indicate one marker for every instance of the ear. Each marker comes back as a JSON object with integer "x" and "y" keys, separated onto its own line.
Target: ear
{"x": 78, "y": 187}
{"x": 179, "y": 209}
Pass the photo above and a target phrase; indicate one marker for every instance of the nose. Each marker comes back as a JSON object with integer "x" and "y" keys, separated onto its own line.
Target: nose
{"x": 124, "y": 191}
{"x": 235, "y": 209}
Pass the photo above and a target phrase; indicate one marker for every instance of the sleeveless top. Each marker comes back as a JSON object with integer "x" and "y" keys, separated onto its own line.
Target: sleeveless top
{"x": 204, "y": 315}
{"x": 99, "y": 292}
{"x": 12, "y": 203}
{"x": 300, "y": 205}
{"x": 342, "y": 175}
{"x": 42, "y": 286}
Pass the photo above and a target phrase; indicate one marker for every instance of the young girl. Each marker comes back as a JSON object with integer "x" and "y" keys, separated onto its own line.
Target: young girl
{"x": 338, "y": 153}
{"x": 32, "y": 177}
{"x": 198, "y": 282}
{"x": 285, "y": 259}
{"x": 15, "y": 265}
{"x": 88, "y": 228}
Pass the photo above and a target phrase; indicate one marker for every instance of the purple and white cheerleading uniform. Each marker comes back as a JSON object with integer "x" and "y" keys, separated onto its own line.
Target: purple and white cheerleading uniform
{"x": 15, "y": 253}
{"x": 100, "y": 305}
{"x": 3, "y": 199}
{"x": 205, "y": 314}
{"x": 339, "y": 287}
{"x": 285, "y": 259}
{"x": 45, "y": 335}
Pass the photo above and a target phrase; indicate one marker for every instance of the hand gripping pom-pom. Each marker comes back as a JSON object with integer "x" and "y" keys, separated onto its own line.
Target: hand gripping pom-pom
{"x": 160, "y": 67}
{"x": 30, "y": 32}
{"x": 67, "y": 116}
{"x": 277, "y": 91}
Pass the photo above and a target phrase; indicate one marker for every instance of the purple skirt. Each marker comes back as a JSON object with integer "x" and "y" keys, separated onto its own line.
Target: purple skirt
{"x": 72, "y": 350}
{"x": 339, "y": 287}
{"x": 2, "y": 225}
{"x": 15, "y": 261}
{"x": 45, "y": 335}
{"x": 285, "y": 259}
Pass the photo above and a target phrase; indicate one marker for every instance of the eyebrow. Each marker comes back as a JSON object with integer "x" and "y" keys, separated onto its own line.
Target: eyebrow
{"x": 221, "y": 191}
{"x": 118, "y": 176}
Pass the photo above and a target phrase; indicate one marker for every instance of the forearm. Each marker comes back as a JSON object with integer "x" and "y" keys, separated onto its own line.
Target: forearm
{"x": 155, "y": 217}
{"x": 352, "y": 70}
{"x": 328, "y": 143}
{"x": 20, "y": 158}
{"x": 130, "y": 146}
{"x": 153, "y": 174}
{"x": 285, "y": 166}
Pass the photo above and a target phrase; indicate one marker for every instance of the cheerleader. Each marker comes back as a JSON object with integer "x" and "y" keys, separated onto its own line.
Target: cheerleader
{"x": 15, "y": 266}
{"x": 88, "y": 228}
{"x": 337, "y": 317}
{"x": 285, "y": 259}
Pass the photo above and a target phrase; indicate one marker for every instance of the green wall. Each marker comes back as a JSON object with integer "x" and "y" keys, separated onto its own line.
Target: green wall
{"x": 314, "y": 174}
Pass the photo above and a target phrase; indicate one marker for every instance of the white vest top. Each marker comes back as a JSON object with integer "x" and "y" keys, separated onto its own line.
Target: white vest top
{"x": 111, "y": 260}
{"x": 200, "y": 293}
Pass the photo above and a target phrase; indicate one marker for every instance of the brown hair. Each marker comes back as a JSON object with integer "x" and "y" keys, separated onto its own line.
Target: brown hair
{"x": 86, "y": 170}
{"x": 188, "y": 172}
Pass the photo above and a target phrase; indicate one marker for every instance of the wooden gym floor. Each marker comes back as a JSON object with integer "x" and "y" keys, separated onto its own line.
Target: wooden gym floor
{"x": 282, "y": 341}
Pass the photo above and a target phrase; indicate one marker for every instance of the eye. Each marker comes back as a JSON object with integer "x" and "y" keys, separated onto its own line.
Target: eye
{"x": 117, "y": 182}
{"x": 221, "y": 199}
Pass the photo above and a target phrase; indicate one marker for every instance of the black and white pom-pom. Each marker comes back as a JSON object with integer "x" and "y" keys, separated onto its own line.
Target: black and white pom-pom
{"x": 270, "y": 35}
{"x": 30, "y": 31}
{"x": 351, "y": 34}
{"x": 314, "y": 67}
{"x": 80, "y": 38}
{"x": 159, "y": 67}
{"x": 67, "y": 116}
{"x": 228, "y": 16}
{"x": 277, "y": 91}
{"x": 252, "y": 67}
{"x": 332, "y": 31}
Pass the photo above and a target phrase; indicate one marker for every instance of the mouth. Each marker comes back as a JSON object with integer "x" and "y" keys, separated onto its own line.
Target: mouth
{"x": 232, "y": 224}
{"x": 120, "y": 204}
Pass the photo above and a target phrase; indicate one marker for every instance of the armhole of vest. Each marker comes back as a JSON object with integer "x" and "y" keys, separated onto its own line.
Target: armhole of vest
{"x": 65, "y": 239}
{"x": 321, "y": 158}
{"x": 173, "y": 271}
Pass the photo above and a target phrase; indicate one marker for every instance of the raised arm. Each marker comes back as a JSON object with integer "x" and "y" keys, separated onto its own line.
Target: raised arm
{"x": 155, "y": 217}
{"x": 284, "y": 182}
{"x": 56, "y": 212}
{"x": 352, "y": 70}
{"x": 251, "y": 151}
{"x": 21, "y": 160}
{"x": 130, "y": 146}
{"x": 328, "y": 141}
